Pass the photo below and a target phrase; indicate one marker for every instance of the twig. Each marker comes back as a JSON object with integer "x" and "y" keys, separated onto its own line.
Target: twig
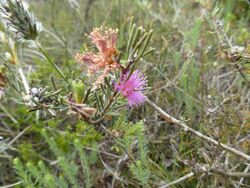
{"x": 24, "y": 80}
{"x": 20, "y": 134}
{"x": 125, "y": 157}
{"x": 171, "y": 119}
{"x": 8, "y": 114}
{"x": 219, "y": 172}
{"x": 183, "y": 178}
{"x": 110, "y": 170}
{"x": 12, "y": 185}
{"x": 231, "y": 174}
{"x": 242, "y": 178}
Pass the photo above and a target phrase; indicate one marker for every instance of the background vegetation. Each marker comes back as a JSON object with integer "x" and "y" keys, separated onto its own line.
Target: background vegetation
{"x": 197, "y": 73}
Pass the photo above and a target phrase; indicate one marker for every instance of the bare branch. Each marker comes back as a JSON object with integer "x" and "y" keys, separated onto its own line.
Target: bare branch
{"x": 183, "y": 178}
{"x": 171, "y": 119}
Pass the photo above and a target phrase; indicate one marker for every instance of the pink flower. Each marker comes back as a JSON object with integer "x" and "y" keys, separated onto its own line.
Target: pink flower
{"x": 133, "y": 88}
{"x": 106, "y": 59}
{"x": 105, "y": 40}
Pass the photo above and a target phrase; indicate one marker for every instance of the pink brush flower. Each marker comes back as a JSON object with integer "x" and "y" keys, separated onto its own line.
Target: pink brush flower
{"x": 105, "y": 60}
{"x": 133, "y": 88}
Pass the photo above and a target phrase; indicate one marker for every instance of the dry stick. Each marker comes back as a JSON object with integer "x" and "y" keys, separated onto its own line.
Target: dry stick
{"x": 171, "y": 119}
{"x": 231, "y": 174}
{"x": 8, "y": 114}
{"x": 19, "y": 135}
{"x": 219, "y": 172}
{"x": 242, "y": 178}
{"x": 12, "y": 185}
{"x": 183, "y": 178}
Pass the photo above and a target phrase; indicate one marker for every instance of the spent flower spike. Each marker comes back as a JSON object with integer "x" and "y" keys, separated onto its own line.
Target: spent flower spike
{"x": 19, "y": 20}
{"x": 133, "y": 87}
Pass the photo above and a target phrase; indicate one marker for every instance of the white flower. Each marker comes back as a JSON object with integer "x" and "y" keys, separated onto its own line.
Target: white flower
{"x": 28, "y": 101}
{"x": 237, "y": 49}
{"x": 8, "y": 56}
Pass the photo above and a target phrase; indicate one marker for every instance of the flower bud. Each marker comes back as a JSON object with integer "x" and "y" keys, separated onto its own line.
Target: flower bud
{"x": 16, "y": 161}
{"x": 78, "y": 91}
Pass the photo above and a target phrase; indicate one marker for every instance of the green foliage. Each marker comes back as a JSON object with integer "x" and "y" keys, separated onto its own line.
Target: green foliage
{"x": 43, "y": 174}
{"x": 27, "y": 152}
{"x": 140, "y": 172}
{"x": 46, "y": 175}
{"x": 189, "y": 82}
{"x": 91, "y": 136}
{"x": 85, "y": 160}
{"x": 125, "y": 132}
{"x": 22, "y": 173}
{"x": 140, "y": 168}
{"x": 52, "y": 144}
{"x": 192, "y": 37}
{"x": 191, "y": 76}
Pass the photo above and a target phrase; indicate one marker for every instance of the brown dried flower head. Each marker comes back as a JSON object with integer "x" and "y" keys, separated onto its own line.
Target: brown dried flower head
{"x": 106, "y": 59}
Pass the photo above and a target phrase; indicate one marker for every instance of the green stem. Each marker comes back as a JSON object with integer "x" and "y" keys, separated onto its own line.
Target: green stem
{"x": 50, "y": 61}
{"x": 102, "y": 115}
